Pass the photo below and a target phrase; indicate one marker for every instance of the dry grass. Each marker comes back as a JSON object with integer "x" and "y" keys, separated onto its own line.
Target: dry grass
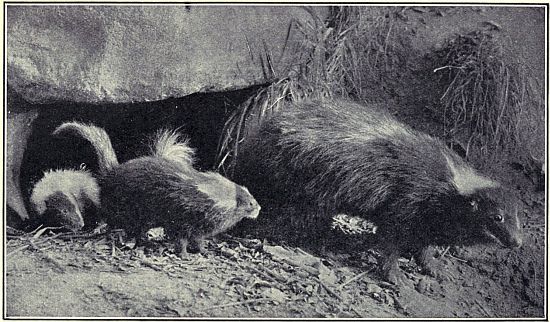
{"x": 489, "y": 98}
{"x": 489, "y": 103}
{"x": 254, "y": 277}
{"x": 350, "y": 55}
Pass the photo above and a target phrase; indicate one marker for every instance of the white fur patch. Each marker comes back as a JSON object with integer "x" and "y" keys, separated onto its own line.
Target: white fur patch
{"x": 251, "y": 207}
{"x": 466, "y": 179}
{"x": 76, "y": 183}
{"x": 168, "y": 145}
{"x": 386, "y": 128}
{"x": 220, "y": 189}
{"x": 391, "y": 128}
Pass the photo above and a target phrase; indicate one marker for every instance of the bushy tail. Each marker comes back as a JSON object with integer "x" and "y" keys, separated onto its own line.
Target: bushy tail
{"x": 98, "y": 138}
{"x": 169, "y": 145}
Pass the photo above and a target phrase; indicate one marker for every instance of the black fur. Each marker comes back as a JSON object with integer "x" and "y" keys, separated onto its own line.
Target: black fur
{"x": 345, "y": 157}
{"x": 165, "y": 190}
{"x": 61, "y": 211}
{"x": 150, "y": 192}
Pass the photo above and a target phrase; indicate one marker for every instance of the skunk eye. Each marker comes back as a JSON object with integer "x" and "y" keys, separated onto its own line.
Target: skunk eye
{"x": 498, "y": 218}
{"x": 475, "y": 205}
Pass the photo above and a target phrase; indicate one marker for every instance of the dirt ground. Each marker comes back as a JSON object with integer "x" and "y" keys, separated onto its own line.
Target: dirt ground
{"x": 270, "y": 276}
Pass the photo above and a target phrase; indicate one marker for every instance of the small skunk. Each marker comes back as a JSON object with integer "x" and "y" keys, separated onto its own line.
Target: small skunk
{"x": 164, "y": 189}
{"x": 62, "y": 196}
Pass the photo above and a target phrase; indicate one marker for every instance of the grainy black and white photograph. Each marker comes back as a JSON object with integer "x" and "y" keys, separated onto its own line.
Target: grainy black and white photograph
{"x": 275, "y": 161}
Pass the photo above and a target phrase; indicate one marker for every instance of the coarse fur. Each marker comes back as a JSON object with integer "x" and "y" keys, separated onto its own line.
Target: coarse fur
{"x": 62, "y": 196}
{"x": 168, "y": 144}
{"x": 342, "y": 156}
{"x": 106, "y": 156}
{"x": 165, "y": 190}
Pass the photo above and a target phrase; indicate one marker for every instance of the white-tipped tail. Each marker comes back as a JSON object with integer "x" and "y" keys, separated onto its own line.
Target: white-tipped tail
{"x": 98, "y": 138}
{"x": 169, "y": 145}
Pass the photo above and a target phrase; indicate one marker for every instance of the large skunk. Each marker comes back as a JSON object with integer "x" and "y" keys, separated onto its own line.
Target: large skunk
{"x": 344, "y": 157}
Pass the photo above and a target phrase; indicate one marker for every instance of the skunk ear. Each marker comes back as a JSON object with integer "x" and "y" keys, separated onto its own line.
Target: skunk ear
{"x": 466, "y": 180}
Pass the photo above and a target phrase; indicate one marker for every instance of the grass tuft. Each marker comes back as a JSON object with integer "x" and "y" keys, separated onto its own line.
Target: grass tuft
{"x": 352, "y": 54}
{"x": 488, "y": 97}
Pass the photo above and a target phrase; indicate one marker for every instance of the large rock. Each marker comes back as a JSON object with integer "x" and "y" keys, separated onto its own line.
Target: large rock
{"x": 141, "y": 53}
{"x": 19, "y": 121}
